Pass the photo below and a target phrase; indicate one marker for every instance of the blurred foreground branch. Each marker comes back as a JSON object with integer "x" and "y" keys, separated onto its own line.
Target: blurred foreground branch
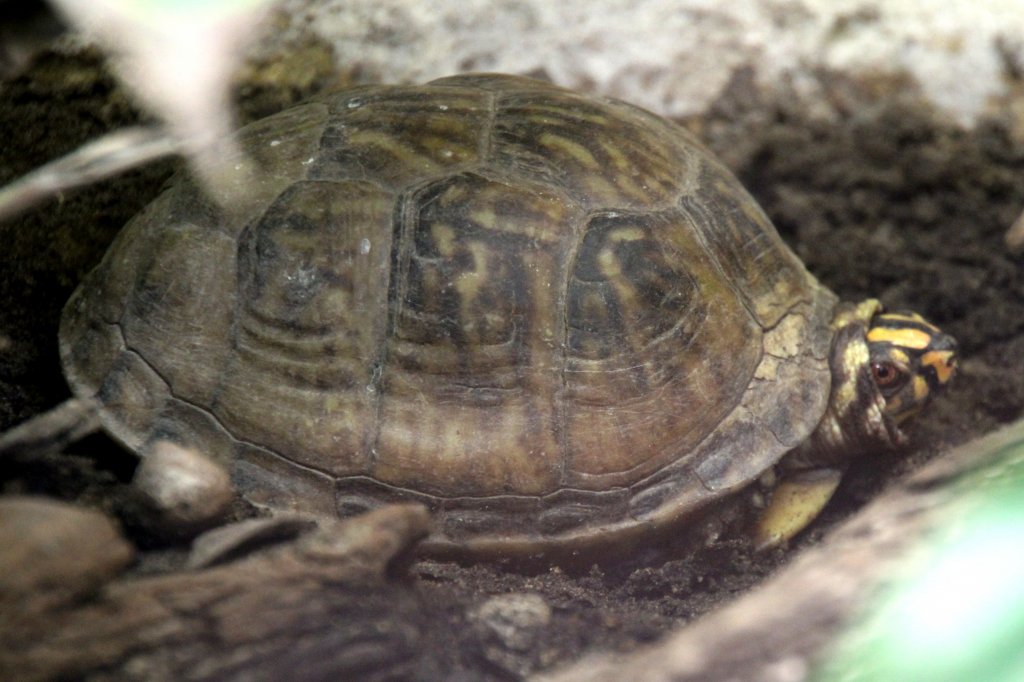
{"x": 316, "y": 606}
{"x": 178, "y": 58}
{"x": 112, "y": 154}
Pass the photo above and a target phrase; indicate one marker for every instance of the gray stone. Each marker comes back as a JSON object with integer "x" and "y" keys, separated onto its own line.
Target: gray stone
{"x": 184, "y": 490}
{"x": 511, "y": 628}
{"x": 52, "y": 552}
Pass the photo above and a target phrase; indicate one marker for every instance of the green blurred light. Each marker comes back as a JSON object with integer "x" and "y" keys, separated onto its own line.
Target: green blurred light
{"x": 960, "y": 617}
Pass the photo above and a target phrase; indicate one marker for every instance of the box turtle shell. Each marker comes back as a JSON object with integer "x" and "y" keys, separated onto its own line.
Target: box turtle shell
{"x": 551, "y": 318}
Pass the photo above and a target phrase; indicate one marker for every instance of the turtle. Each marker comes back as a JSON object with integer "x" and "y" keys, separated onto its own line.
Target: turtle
{"x": 556, "y": 320}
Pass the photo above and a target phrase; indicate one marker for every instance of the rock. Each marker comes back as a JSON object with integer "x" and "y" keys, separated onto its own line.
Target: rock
{"x": 515, "y": 620}
{"x": 510, "y": 627}
{"x": 52, "y": 553}
{"x": 960, "y": 56}
{"x": 321, "y": 606}
{"x": 183, "y": 490}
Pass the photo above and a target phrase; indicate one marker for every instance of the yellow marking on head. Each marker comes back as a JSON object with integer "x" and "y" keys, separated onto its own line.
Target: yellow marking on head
{"x": 943, "y": 363}
{"x": 899, "y": 356}
{"x": 903, "y": 336}
{"x": 913, "y": 318}
{"x": 861, "y": 312}
{"x": 921, "y": 389}
{"x": 894, "y": 405}
{"x": 855, "y": 356}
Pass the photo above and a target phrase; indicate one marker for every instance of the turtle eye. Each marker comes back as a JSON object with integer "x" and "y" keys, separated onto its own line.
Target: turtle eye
{"x": 886, "y": 374}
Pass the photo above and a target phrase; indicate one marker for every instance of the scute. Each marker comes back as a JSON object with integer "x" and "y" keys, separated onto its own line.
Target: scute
{"x": 604, "y": 156}
{"x": 660, "y": 347}
{"x": 398, "y": 136}
{"x": 748, "y": 249}
{"x": 553, "y": 319}
{"x": 311, "y": 280}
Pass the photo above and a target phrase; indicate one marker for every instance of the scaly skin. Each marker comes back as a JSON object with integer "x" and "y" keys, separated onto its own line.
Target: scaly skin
{"x": 885, "y": 368}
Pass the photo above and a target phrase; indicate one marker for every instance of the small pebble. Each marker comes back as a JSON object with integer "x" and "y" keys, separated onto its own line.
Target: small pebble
{"x": 515, "y": 619}
{"x": 511, "y": 627}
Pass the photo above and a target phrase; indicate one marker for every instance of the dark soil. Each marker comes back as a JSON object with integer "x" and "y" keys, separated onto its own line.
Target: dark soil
{"x": 881, "y": 198}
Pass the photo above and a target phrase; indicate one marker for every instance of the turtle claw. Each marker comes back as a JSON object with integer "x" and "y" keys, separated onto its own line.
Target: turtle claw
{"x": 796, "y": 501}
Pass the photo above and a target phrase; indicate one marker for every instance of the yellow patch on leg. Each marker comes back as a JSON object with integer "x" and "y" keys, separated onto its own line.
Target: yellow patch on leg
{"x": 796, "y": 501}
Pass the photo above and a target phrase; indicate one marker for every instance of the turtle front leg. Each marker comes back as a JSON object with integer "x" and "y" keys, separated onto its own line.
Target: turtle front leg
{"x": 796, "y": 501}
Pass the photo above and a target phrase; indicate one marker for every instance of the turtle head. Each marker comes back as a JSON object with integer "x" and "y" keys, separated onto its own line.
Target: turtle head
{"x": 886, "y": 366}
{"x": 911, "y": 360}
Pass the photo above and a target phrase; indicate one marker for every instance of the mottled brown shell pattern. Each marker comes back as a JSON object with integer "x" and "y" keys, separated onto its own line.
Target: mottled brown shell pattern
{"x": 546, "y": 316}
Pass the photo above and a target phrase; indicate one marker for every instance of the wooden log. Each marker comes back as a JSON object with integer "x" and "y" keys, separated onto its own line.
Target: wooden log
{"x": 320, "y": 606}
{"x": 53, "y": 553}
